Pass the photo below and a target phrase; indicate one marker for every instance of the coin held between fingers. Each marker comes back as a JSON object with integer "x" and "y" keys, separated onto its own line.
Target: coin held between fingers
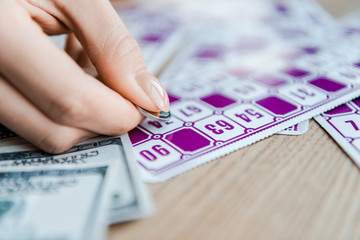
{"x": 157, "y": 116}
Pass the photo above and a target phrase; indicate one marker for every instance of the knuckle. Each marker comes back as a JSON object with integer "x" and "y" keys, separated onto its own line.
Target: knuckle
{"x": 54, "y": 142}
{"x": 123, "y": 125}
{"x": 119, "y": 43}
{"x": 128, "y": 124}
{"x": 123, "y": 129}
{"x": 127, "y": 45}
{"x": 115, "y": 130}
{"x": 67, "y": 110}
{"x": 139, "y": 64}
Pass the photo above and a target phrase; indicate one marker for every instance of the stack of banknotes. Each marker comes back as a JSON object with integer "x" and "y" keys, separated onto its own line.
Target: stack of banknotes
{"x": 74, "y": 195}
{"x": 236, "y": 72}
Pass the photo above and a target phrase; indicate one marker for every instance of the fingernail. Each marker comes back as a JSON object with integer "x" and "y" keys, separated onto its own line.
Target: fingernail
{"x": 155, "y": 92}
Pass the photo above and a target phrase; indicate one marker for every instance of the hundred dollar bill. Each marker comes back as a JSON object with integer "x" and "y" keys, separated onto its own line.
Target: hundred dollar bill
{"x": 130, "y": 199}
{"x": 58, "y": 202}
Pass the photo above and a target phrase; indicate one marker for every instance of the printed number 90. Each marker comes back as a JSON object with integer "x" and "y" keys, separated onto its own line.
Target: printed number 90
{"x": 157, "y": 150}
{"x": 221, "y": 123}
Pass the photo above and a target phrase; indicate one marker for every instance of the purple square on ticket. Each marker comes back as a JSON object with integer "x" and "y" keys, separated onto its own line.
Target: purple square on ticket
{"x": 188, "y": 140}
{"x": 311, "y": 50}
{"x": 281, "y": 8}
{"x": 152, "y": 38}
{"x": 136, "y": 135}
{"x": 344, "y": 108}
{"x": 296, "y": 72}
{"x": 277, "y": 105}
{"x": 173, "y": 98}
{"x": 210, "y": 52}
{"x": 327, "y": 84}
{"x": 218, "y": 100}
{"x": 271, "y": 81}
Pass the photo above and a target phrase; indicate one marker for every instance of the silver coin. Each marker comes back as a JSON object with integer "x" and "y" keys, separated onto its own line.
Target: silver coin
{"x": 158, "y": 116}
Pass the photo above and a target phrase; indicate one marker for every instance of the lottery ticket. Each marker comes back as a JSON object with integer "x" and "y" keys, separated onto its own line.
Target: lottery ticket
{"x": 159, "y": 31}
{"x": 232, "y": 87}
{"x": 343, "y": 122}
{"x": 55, "y": 203}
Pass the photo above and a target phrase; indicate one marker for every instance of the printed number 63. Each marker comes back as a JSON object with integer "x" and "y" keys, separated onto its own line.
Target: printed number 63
{"x": 221, "y": 123}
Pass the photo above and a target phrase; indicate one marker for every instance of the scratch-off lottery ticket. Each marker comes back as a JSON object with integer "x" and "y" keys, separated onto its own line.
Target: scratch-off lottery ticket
{"x": 159, "y": 33}
{"x": 232, "y": 87}
{"x": 343, "y": 122}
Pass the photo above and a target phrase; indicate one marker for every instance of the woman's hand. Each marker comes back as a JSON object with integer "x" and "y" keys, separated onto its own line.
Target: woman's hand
{"x": 46, "y": 96}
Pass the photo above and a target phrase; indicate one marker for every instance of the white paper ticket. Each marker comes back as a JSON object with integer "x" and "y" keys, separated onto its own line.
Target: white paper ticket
{"x": 343, "y": 122}
{"x": 231, "y": 87}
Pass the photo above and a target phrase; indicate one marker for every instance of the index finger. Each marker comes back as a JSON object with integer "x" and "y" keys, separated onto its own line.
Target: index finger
{"x": 114, "y": 52}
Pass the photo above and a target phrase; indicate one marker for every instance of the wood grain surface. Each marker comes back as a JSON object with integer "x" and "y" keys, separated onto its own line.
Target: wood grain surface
{"x": 283, "y": 187}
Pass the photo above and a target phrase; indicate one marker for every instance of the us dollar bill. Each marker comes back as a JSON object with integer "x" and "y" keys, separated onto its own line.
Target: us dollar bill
{"x": 130, "y": 198}
{"x": 58, "y": 202}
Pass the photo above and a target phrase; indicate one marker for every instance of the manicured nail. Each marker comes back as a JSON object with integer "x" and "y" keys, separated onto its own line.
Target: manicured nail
{"x": 155, "y": 92}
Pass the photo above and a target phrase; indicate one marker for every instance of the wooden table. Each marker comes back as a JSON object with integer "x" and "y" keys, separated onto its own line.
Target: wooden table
{"x": 283, "y": 187}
